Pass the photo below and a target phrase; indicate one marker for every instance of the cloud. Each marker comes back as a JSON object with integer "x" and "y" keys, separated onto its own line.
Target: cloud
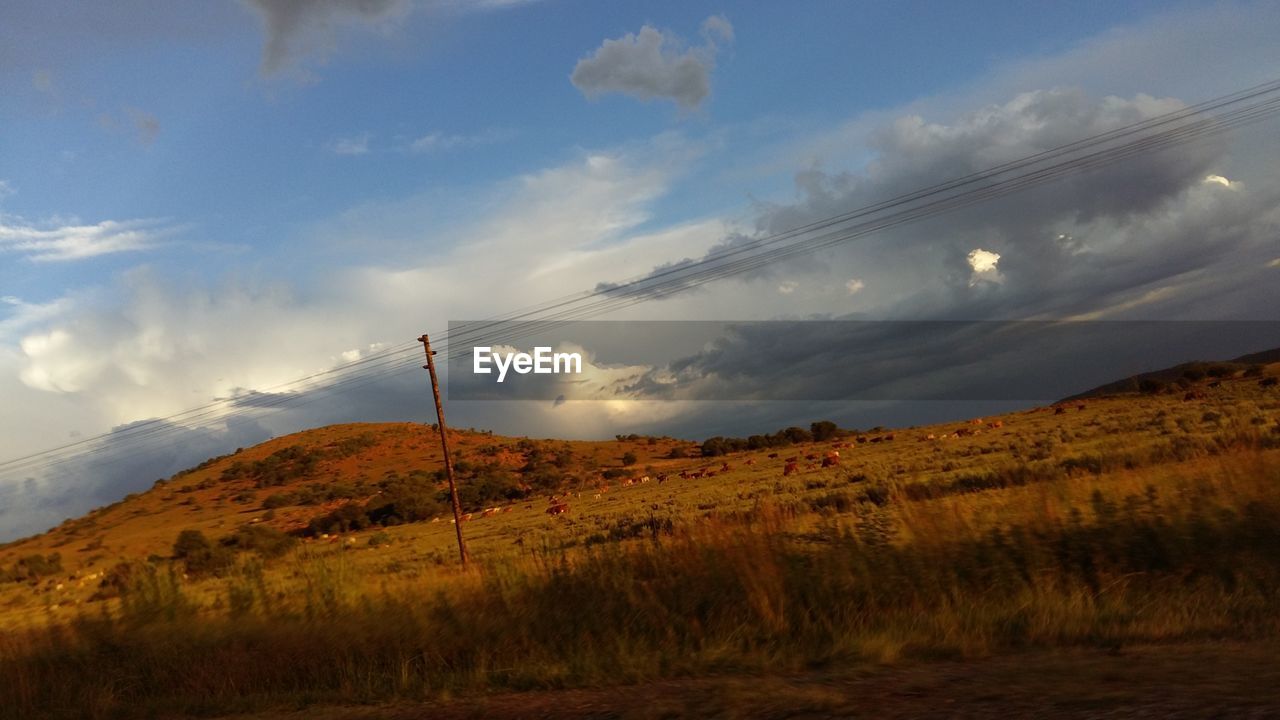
{"x": 6, "y": 189}
{"x": 985, "y": 265}
{"x": 653, "y": 64}
{"x": 438, "y": 141}
{"x": 355, "y": 145}
{"x": 149, "y": 345}
{"x": 66, "y": 242}
{"x": 42, "y": 80}
{"x": 298, "y": 30}
{"x": 1063, "y": 246}
{"x": 854, "y": 286}
{"x": 145, "y": 125}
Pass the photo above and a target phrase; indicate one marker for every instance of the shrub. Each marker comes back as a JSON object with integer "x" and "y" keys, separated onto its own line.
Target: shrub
{"x": 823, "y": 430}
{"x": 199, "y": 556}
{"x": 262, "y": 539}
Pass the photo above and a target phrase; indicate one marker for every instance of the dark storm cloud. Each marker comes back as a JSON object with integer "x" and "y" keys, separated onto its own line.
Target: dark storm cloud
{"x": 1075, "y": 245}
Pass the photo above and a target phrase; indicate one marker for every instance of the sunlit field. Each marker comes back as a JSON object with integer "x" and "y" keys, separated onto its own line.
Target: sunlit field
{"x": 1104, "y": 523}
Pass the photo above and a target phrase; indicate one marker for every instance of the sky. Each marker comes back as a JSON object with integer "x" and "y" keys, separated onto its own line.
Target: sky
{"x": 203, "y": 200}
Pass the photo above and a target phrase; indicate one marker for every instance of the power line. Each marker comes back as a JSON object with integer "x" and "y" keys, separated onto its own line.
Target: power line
{"x": 1174, "y": 128}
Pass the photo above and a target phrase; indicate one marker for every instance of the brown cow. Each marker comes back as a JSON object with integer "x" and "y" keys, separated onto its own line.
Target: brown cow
{"x": 724, "y": 467}
{"x": 558, "y": 509}
{"x": 773, "y": 456}
{"x": 996, "y": 424}
{"x": 790, "y": 469}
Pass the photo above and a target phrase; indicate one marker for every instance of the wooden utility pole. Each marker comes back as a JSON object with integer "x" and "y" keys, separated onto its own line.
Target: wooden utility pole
{"x": 444, "y": 444}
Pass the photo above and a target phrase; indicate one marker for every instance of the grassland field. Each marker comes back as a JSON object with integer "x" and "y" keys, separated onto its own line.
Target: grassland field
{"x": 1100, "y": 523}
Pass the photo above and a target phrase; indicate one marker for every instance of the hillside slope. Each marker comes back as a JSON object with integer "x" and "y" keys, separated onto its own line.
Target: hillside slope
{"x": 1183, "y": 374}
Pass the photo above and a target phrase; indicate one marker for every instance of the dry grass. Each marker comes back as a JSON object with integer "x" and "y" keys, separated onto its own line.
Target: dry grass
{"x": 1136, "y": 520}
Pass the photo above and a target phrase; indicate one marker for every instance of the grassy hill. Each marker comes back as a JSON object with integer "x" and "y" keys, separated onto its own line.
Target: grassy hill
{"x": 322, "y": 567}
{"x": 1184, "y": 375}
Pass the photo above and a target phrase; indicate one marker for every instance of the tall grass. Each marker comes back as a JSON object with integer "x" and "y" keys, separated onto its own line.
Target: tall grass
{"x": 1149, "y": 556}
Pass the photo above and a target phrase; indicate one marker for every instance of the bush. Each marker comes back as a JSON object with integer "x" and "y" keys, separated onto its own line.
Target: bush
{"x": 32, "y": 567}
{"x": 823, "y": 430}
{"x": 199, "y": 556}
{"x": 190, "y": 542}
{"x": 629, "y": 458}
{"x": 262, "y": 539}
{"x": 276, "y": 500}
{"x": 1149, "y": 386}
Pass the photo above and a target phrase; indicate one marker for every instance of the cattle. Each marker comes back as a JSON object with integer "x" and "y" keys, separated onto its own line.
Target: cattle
{"x": 831, "y": 460}
{"x": 810, "y": 457}
{"x": 976, "y": 421}
{"x": 1081, "y": 406}
{"x": 876, "y": 439}
{"x": 996, "y": 424}
{"x": 930, "y": 436}
{"x": 1059, "y": 410}
{"x": 861, "y": 439}
{"x": 750, "y": 461}
{"x": 684, "y": 474}
{"x": 488, "y": 512}
{"x": 724, "y": 467}
{"x": 662, "y": 477}
{"x": 773, "y": 456}
{"x": 793, "y": 458}
{"x": 790, "y": 469}
{"x": 1194, "y": 395}
{"x": 558, "y": 509}
{"x": 888, "y": 438}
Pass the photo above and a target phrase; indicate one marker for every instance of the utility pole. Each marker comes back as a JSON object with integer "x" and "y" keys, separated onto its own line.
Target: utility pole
{"x": 444, "y": 444}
